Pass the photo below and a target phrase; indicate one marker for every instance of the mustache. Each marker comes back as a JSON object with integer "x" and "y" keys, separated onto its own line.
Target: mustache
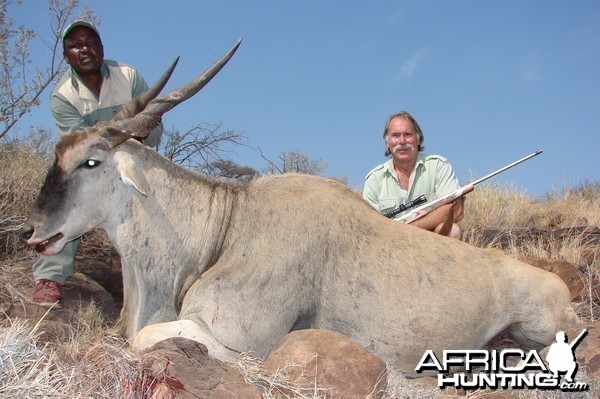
{"x": 401, "y": 147}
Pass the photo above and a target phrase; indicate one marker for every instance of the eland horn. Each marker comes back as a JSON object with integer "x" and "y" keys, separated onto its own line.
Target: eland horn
{"x": 137, "y": 104}
{"x": 146, "y": 120}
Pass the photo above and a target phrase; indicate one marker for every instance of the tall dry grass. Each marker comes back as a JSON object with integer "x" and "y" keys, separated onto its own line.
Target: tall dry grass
{"x": 507, "y": 212}
{"x": 95, "y": 362}
{"x": 23, "y": 167}
{"x": 505, "y": 207}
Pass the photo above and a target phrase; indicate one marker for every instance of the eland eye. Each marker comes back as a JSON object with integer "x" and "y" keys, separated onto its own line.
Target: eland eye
{"x": 90, "y": 163}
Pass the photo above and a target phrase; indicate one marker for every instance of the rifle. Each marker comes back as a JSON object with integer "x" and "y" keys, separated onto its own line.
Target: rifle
{"x": 411, "y": 204}
{"x": 423, "y": 210}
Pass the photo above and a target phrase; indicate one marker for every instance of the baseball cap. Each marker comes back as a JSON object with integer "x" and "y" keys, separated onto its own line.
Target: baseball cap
{"x": 77, "y": 23}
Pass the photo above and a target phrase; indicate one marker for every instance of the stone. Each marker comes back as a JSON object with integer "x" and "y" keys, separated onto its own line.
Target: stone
{"x": 181, "y": 368}
{"x": 580, "y": 285}
{"x": 337, "y": 366}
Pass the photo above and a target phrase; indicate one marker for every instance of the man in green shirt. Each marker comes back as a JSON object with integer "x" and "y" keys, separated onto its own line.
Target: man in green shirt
{"x": 409, "y": 174}
{"x": 93, "y": 90}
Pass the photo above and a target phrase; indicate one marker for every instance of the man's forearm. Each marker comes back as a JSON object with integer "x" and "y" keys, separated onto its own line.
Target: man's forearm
{"x": 433, "y": 218}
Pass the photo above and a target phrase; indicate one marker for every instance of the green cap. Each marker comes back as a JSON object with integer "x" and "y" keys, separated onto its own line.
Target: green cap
{"x": 79, "y": 23}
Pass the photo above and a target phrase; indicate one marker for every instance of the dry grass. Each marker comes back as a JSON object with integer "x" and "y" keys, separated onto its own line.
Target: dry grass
{"x": 22, "y": 169}
{"x": 272, "y": 385}
{"x": 95, "y": 362}
{"x": 496, "y": 207}
{"x": 522, "y": 227}
{"x": 399, "y": 387}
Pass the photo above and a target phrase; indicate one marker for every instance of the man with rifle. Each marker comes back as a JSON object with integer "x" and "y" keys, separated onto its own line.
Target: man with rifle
{"x": 410, "y": 174}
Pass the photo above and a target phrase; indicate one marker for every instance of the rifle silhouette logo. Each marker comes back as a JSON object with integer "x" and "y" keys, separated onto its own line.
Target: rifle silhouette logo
{"x": 561, "y": 355}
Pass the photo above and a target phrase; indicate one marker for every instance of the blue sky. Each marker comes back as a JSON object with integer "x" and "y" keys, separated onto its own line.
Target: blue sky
{"x": 488, "y": 81}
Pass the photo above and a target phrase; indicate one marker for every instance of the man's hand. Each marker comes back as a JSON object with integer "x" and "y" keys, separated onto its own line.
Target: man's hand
{"x": 446, "y": 227}
{"x": 443, "y": 219}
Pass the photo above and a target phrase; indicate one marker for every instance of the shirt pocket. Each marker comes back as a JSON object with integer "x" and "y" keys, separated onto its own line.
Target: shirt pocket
{"x": 386, "y": 205}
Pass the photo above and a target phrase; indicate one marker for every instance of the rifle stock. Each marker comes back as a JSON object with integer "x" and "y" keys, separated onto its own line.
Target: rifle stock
{"x": 423, "y": 210}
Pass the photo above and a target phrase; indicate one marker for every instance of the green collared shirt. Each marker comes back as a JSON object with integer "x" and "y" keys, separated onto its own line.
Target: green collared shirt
{"x": 432, "y": 176}
{"x": 74, "y": 106}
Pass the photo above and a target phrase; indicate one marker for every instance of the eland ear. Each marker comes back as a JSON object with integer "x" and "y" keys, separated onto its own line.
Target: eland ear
{"x": 128, "y": 173}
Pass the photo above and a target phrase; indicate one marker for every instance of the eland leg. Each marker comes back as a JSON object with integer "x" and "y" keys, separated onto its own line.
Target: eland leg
{"x": 150, "y": 335}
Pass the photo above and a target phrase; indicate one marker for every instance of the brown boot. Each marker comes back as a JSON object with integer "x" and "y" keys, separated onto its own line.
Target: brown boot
{"x": 47, "y": 292}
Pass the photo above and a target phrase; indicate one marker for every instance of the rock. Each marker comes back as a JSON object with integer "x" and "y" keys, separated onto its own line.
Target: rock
{"x": 426, "y": 387}
{"x": 98, "y": 259}
{"x": 574, "y": 279}
{"x": 586, "y": 352}
{"x": 80, "y": 290}
{"x": 51, "y": 324}
{"x": 54, "y": 323}
{"x": 338, "y": 366}
{"x": 181, "y": 368}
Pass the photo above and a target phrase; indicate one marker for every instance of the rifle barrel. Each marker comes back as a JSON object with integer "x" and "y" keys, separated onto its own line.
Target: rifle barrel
{"x": 428, "y": 207}
{"x": 538, "y": 152}
{"x": 576, "y": 340}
